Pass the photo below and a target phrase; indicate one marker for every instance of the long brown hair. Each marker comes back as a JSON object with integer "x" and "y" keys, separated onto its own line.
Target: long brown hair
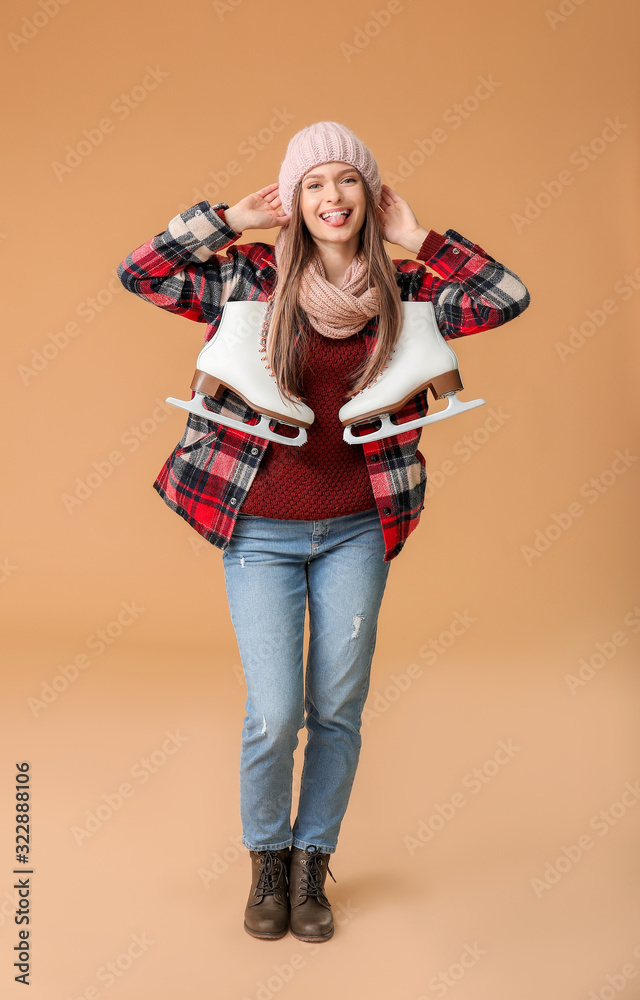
{"x": 287, "y": 318}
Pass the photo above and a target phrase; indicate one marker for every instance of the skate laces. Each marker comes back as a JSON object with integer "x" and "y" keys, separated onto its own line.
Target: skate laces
{"x": 272, "y": 868}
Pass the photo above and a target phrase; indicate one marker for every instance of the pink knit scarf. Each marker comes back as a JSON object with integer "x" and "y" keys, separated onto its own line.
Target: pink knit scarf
{"x": 336, "y": 312}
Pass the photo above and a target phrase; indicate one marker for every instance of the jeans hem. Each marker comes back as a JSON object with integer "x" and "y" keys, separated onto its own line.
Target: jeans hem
{"x": 269, "y": 847}
{"x": 303, "y": 845}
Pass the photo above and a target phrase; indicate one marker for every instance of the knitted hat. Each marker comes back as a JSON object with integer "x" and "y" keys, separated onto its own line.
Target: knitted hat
{"x": 325, "y": 142}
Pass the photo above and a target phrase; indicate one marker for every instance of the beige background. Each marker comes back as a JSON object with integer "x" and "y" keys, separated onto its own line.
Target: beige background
{"x": 166, "y": 864}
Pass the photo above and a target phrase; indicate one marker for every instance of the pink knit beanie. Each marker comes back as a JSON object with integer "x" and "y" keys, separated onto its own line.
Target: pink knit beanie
{"x": 325, "y": 142}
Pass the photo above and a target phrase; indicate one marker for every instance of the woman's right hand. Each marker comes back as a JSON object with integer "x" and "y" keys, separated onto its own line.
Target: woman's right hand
{"x": 257, "y": 211}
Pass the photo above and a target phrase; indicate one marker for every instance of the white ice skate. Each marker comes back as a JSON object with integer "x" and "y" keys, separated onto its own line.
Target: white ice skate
{"x": 421, "y": 359}
{"x": 235, "y": 358}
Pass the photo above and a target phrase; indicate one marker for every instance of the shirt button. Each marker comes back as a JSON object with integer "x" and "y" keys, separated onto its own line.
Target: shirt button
{"x": 454, "y": 250}
{"x": 254, "y": 451}
{"x": 374, "y": 458}
{"x": 387, "y": 510}
{"x": 233, "y": 500}
{"x": 197, "y": 212}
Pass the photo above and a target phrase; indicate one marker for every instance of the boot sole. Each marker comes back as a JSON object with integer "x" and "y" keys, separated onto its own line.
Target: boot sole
{"x": 315, "y": 938}
{"x": 212, "y": 386}
{"x": 447, "y": 382}
{"x": 265, "y": 936}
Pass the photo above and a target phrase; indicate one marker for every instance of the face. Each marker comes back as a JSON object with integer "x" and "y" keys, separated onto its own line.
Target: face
{"x": 333, "y": 187}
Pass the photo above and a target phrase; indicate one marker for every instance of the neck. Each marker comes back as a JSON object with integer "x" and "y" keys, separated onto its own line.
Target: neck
{"x": 336, "y": 257}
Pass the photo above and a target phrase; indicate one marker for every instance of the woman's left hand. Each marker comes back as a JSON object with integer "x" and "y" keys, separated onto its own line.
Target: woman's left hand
{"x": 399, "y": 224}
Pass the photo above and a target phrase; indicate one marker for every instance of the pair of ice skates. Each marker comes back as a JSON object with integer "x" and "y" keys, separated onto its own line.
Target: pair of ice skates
{"x": 235, "y": 358}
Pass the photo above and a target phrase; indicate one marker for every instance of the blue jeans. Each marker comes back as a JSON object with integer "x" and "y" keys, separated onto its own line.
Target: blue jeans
{"x": 270, "y": 567}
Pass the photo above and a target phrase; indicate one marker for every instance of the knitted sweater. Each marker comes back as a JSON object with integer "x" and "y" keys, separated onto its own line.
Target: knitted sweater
{"x": 324, "y": 477}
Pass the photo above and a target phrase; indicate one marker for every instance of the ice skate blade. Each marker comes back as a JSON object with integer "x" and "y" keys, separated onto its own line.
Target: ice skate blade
{"x": 389, "y": 429}
{"x": 261, "y": 430}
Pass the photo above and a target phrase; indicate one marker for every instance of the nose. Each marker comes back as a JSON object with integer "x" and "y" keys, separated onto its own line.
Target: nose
{"x": 333, "y": 191}
{"x": 333, "y": 195}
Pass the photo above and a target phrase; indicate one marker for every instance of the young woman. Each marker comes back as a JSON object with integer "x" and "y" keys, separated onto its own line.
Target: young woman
{"x": 321, "y": 521}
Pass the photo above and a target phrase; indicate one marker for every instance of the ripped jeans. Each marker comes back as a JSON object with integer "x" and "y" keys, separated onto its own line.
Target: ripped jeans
{"x": 270, "y": 567}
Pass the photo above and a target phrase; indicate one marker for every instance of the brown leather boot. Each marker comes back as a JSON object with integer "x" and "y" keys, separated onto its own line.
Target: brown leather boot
{"x": 311, "y": 918}
{"x": 267, "y": 911}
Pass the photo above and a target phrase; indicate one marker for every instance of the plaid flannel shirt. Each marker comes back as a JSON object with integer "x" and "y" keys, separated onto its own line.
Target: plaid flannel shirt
{"x": 209, "y": 472}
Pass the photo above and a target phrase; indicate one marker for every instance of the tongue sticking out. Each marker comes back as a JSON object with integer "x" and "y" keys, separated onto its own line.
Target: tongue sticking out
{"x": 336, "y": 220}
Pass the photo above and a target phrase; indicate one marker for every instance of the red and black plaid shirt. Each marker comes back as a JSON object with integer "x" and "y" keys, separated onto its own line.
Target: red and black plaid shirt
{"x": 208, "y": 474}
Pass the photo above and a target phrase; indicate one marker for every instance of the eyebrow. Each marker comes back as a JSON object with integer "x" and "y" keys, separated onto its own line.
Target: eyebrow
{"x": 347, "y": 170}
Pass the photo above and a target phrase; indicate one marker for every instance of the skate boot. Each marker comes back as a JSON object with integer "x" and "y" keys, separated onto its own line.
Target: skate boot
{"x": 421, "y": 359}
{"x": 235, "y": 358}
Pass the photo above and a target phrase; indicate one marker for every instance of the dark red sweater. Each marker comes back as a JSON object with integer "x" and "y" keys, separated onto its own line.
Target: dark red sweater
{"x": 325, "y": 477}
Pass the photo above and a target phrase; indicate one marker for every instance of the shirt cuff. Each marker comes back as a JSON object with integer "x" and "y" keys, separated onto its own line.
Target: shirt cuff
{"x": 202, "y": 229}
{"x": 434, "y": 242}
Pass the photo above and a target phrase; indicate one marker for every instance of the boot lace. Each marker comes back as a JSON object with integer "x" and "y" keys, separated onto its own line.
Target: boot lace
{"x": 312, "y": 875}
{"x": 271, "y": 872}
